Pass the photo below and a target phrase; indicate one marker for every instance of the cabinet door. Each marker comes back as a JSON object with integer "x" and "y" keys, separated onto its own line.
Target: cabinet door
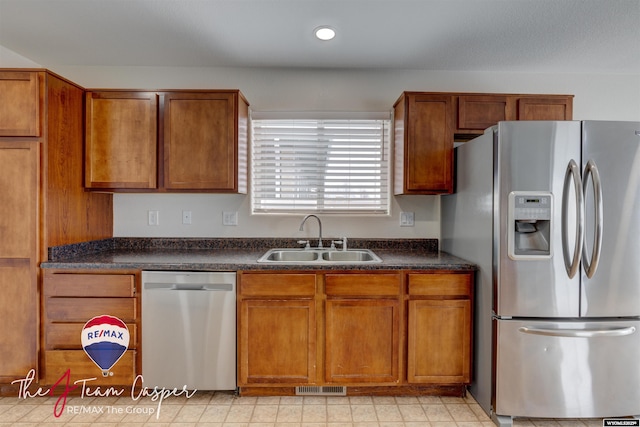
{"x": 200, "y": 141}
{"x": 19, "y": 335}
{"x": 560, "y": 108}
{"x": 277, "y": 342}
{"x": 19, "y": 165}
{"x": 424, "y": 144}
{"x": 478, "y": 112}
{"x": 121, "y": 140}
{"x": 362, "y": 341}
{"x": 19, "y": 103}
{"x": 439, "y": 341}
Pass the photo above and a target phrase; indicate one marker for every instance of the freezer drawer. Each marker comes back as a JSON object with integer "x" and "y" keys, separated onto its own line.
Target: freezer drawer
{"x": 567, "y": 369}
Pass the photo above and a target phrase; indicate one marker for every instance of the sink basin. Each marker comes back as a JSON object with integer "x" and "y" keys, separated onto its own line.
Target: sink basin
{"x": 319, "y": 256}
{"x": 286, "y": 255}
{"x": 349, "y": 256}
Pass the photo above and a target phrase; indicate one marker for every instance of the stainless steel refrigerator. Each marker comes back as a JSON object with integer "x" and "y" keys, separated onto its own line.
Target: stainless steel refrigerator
{"x": 550, "y": 212}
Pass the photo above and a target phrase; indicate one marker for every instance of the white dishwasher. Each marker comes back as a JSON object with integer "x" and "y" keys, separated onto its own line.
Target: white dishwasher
{"x": 189, "y": 330}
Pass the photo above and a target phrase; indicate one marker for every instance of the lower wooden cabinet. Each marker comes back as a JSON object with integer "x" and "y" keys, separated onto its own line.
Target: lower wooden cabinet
{"x": 439, "y": 328}
{"x": 277, "y": 329}
{"x": 70, "y": 300}
{"x": 403, "y": 330}
{"x": 57, "y": 362}
{"x": 279, "y": 338}
{"x": 362, "y": 328}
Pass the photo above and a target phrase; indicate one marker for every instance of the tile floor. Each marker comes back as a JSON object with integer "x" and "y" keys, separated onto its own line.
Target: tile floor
{"x": 225, "y": 410}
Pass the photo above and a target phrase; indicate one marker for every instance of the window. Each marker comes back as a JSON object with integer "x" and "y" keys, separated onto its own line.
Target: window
{"x": 320, "y": 165}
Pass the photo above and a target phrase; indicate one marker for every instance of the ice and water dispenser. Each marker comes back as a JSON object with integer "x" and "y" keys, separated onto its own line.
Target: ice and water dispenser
{"x": 530, "y": 225}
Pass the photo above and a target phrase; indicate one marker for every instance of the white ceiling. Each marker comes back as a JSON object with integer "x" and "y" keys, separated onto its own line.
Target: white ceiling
{"x": 467, "y": 35}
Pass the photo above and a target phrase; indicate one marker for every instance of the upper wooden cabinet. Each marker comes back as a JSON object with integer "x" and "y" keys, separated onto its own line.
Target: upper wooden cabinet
{"x": 20, "y": 103}
{"x": 426, "y": 124}
{"x": 423, "y": 128}
{"x": 120, "y": 140}
{"x": 545, "y": 108}
{"x": 169, "y": 141}
{"x": 205, "y": 141}
{"x": 478, "y": 112}
{"x": 475, "y": 113}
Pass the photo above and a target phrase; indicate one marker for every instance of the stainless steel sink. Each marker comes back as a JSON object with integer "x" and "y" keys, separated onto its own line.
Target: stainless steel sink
{"x": 349, "y": 256}
{"x": 286, "y": 255}
{"x": 319, "y": 256}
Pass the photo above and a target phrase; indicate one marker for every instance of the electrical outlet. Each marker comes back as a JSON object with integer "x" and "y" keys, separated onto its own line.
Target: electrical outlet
{"x": 154, "y": 218}
{"x": 406, "y": 219}
{"x": 186, "y": 217}
{"x": 229, "y": 218}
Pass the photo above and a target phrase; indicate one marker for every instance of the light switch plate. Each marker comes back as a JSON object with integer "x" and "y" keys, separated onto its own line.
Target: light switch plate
{"x": 186, "y": 217}
{"x": 229, "y": 218}
{"x": 406, "y": 219}
{"x": 154, "y": 218}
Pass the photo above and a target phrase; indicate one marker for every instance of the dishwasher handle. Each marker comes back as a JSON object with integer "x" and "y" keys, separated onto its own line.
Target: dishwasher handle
{"x": 189, "y": 286}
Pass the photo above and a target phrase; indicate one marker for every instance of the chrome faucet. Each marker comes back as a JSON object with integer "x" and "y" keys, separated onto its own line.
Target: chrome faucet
{"x": 319, "y": 226}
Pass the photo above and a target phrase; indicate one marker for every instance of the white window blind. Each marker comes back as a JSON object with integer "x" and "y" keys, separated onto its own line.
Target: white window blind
{"x": 322, "y": 166}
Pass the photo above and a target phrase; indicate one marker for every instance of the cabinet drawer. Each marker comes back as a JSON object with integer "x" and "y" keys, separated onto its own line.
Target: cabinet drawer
{"x": 289, "y": 285}
{"x": 440, "y": 284}
{"x": 89, "y": 285}
{"x": 69, "y": 336}
{"x": 57, "y": 362}
{"x": 82, "y": 309}
{"x": 362, "y": 284}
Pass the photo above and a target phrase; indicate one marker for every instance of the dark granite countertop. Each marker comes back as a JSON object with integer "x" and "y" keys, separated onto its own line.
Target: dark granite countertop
{"x": 240, "y": 254}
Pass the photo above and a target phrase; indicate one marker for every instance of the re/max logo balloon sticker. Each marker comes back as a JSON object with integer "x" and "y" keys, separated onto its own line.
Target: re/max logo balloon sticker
{"x": 105, "y": 339}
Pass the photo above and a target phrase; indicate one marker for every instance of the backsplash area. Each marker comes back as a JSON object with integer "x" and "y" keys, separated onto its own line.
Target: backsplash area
{"x": 131, "y": 218}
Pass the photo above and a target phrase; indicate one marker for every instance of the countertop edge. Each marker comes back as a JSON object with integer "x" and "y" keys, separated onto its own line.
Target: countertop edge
{"x": 241, "y": 255}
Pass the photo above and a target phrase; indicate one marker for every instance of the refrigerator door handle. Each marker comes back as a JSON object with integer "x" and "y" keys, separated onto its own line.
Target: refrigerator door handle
{"x": 591, "y": 265}
{"x": 572, "y": 262}
{"x": 579, "y": 333}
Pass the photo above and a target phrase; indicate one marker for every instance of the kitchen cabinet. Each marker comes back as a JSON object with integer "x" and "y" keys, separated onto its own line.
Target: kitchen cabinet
{"x": 439, "y": 330}
{"x": 42, "y": 202}
{"x": 19, "y": 177}
{"x": 20, "y": 103}
{"x": 423, "y": 157}
{"x": 277, "y": 328}
{"x": 391, "y": 332}
{"x": 362, "y": 332}
{"x": 70, "y": 299}
{"x": 545, "y": 108}
{"x": 426, "y": 124}
{"x": 205, "y": 141}
{"x": 121, "y": 141}
{"x": 167, "y": 141}
{"x": 478, "y": 112}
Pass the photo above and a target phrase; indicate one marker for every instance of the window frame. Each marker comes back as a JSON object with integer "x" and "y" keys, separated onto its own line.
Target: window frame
{"x": 383, "y": 209}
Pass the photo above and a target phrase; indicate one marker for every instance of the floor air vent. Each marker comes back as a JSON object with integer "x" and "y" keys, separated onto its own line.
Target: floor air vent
{"x": 321, "y": 391}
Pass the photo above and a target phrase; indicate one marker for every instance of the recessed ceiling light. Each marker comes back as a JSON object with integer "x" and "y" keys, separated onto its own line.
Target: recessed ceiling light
{"x": 324, "y": 33}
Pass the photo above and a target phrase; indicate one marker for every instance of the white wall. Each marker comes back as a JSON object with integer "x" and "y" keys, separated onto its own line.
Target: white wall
{"x": 597, "y": 97}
